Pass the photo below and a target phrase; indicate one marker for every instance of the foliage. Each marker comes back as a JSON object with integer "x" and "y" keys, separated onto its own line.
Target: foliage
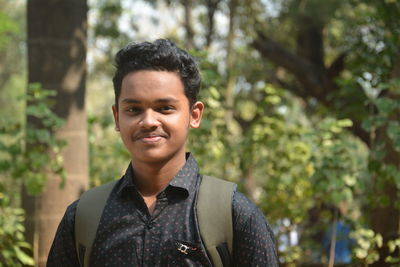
{"x": 13, "y": 249}
{"x": 367, "y": 91}
{"x": 12, "y": 245}
{"x": 108, "y": 156}
{"x": 311, "y": 171}
{"x": 374, "y": 65}
{"x": 107, "y": 35}
{"x": 393, "y": 246}
{"x": 209, "y": 142}
{"x": 13, "y": 58}
{"x": 7, "y": 27}
{"x": 367, "y": 242}
{"x": 24, "y": 149}
{"x": 23, "y": 161}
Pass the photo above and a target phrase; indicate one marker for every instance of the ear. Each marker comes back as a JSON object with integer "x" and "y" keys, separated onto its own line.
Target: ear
{"x": 195, "y": 114}
{"x": 115, "y": 113}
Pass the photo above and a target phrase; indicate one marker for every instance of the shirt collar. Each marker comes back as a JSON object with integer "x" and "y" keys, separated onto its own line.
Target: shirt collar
{"x": 185, "y": 179}
{"x": 126, "y": 180}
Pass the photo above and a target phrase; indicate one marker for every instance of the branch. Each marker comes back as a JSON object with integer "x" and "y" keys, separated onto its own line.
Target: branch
{"x": 305, "y": 72}
{"x": 316, "y": 82}
{"x": 244, "y": 124}
{"x": 337, "y": 66}
{"x": 359, "y": 131}
{"x": 212, "y": 6}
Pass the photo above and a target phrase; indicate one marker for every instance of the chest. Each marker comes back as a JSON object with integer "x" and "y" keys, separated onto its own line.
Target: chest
{"x": 129, "y": 236}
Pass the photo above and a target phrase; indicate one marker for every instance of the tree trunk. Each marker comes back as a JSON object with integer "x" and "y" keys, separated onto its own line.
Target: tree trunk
{"x": 188, "y": 5}
{"x": 57, "y": 60}
{"x": 250, "y": 185}
{"x": 230, "y": 80}
{"x": 212, "y": 6}
{"x": 230, "y": 63}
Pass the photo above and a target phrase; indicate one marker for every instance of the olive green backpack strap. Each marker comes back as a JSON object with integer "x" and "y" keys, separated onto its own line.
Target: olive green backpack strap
{"x": 87, "y": 219}
{"x": 214, "y": 214}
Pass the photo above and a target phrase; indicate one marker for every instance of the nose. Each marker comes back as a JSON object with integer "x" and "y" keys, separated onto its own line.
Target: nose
{"x": 149, "y": 119}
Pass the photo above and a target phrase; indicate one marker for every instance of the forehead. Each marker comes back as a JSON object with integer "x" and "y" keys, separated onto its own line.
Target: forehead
{"x": 150, "y": 82}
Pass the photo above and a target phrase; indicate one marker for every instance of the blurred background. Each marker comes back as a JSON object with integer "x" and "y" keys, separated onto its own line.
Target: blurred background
{"x": 302, "y": 111}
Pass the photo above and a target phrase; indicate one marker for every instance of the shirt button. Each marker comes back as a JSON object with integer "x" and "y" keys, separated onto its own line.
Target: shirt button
{"x": 150, "y": 225}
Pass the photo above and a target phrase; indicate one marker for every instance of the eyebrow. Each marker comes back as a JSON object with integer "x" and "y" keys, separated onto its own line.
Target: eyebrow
{"x": 160, "y": 100}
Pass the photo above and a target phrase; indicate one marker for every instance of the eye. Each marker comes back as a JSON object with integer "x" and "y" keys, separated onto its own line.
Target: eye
{"x": 133, "y": 110}
{"x": 166, "y": 109}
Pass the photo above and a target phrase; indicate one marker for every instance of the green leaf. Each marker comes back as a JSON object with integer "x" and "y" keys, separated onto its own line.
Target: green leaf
{"x": 337, "y": 197}
{"x": 272, "y": 99}
{"x": 393, "y": 131}
{"x": 386, "y": 105}
{"x": 214, "y": 92}
{"x": 371, "y": 123}
{"x": 344, "y": 123}
{"x": 23, "y": 257}
{"x": 349, "y": 180}
{"x": 397, "y": 179}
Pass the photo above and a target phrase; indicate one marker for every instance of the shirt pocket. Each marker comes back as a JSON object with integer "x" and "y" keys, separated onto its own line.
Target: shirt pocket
{"x": 185, "y": 254}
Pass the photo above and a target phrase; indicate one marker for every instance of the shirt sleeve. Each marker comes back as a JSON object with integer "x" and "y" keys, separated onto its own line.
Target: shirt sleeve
{"x": 253, "y": 240}
{"x": 62, "y": 252}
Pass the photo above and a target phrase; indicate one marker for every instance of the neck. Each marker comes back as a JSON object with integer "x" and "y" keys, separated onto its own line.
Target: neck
{"x": 152, "y": 178}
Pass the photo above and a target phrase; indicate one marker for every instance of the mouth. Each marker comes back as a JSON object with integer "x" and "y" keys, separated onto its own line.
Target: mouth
{"x": 150, "y": 138}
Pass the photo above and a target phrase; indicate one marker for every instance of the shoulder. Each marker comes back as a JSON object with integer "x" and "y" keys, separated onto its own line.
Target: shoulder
{"x": 247, "y": 216}
{"x": 69, "y": 216}
{"x": 253, "y": 240}
{"x": 62, "y": 251}
{"x": 243, "y": 208}
{"x": 65, "y": 231}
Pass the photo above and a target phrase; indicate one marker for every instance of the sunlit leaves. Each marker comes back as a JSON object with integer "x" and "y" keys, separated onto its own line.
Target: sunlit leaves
{"x": 7, "y": 28}
{"x": 336, "y": 170}
{"x": 393, "y": 245}
{"x": 28, "y": 153}
{"x": 12, "y": 246}
{"x": 367, "y": 244}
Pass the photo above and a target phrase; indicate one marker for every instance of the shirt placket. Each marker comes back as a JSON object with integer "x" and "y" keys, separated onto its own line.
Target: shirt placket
{"x": 149, "y": 242}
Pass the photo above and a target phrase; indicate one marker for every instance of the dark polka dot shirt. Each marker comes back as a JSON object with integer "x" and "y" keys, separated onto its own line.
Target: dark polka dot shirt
{"x": 128, "y": 235}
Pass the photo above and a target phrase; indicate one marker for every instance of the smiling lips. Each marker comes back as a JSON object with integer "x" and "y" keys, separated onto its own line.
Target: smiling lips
{"x": 149, "y": 138}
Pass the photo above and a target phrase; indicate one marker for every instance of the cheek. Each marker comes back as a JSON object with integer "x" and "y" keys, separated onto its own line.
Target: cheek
{"x": 126, "y": 126}
{"x": 180, "y": 124}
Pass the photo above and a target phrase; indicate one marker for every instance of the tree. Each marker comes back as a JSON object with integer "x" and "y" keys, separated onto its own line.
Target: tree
{"x": 56, "y": 60}
{"x": 374, "y": 35}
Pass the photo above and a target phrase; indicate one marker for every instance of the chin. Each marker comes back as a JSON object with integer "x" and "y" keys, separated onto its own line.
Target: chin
{"x": 152, "y": 157}
{"x": 155, "y": 156}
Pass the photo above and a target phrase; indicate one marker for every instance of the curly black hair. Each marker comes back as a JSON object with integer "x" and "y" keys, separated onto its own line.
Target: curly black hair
{"x": 160, "y": 55}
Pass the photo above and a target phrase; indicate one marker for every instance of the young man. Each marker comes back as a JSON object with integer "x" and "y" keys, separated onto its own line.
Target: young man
{"x": 150, "y": 214}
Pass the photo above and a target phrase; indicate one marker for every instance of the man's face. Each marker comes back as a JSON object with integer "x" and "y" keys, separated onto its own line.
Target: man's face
{"x": 153, "y": 116}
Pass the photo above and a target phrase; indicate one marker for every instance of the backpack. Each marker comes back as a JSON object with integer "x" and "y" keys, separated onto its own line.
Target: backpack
{"x": 213, "y": 209}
